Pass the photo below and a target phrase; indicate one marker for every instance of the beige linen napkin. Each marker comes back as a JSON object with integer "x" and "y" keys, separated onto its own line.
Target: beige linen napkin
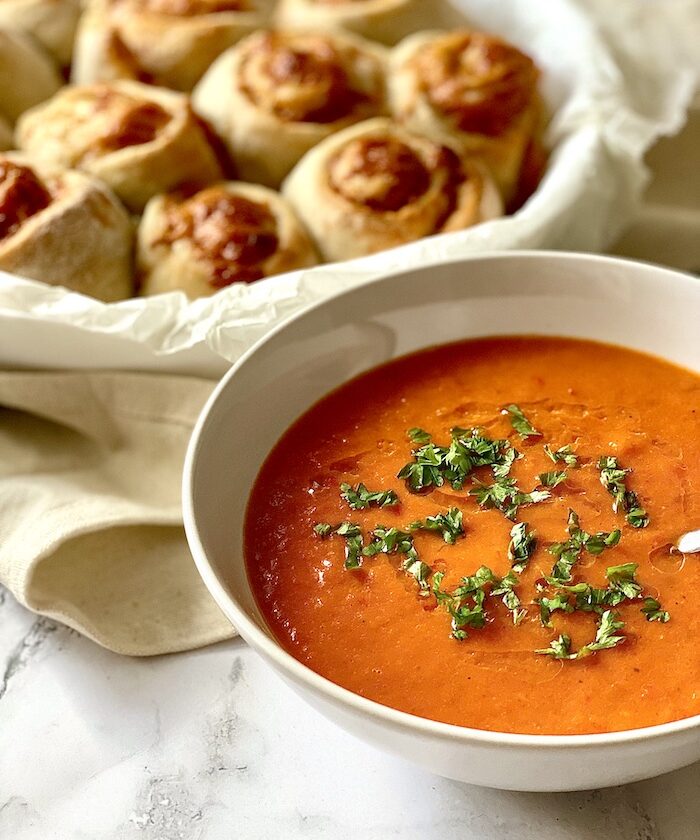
{"x": 90, "y": 522}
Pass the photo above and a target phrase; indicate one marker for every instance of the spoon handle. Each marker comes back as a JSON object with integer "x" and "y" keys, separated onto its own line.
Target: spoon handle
{"x": 689, "y": 543}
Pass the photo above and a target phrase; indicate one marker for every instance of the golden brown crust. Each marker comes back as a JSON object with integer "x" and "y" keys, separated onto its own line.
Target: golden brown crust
{"x": 22, "y": 195}
{"x": 234, "y": 234}
{"x": 228, "y": 233}
{"x": 277, "y": 94}
{"x": 141, "y": 140}
{"x": 382, "y": 173}
{"x": 478, "y": 81}
{"x": 317, "y": 70}
{"x": 376, "y": 185}
{"x": 131, "y": 122}
{"x": 471, "y": 90}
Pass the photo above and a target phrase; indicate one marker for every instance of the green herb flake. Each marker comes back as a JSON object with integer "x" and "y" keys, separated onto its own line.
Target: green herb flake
{"x": 549, "y": 605}
{"x": 469, "y": 449}
{"x": 395, "y": 541}
{"x": 623, "y": 579}
{"x": 425, "y": 470}
{"x": 653, "y": 612}
{"x": 520, "y": 423}
{"x": 506, "y": 588}
{"x": 559, "y": 648}
{"x": 613, "y": 477}
{"x": 568, "y": 553}
{"x": 360, "y": 498}
{"x": 606, "y": 637}
{"x": 565, "y": 454}
{"x": 449, "y": 524}
{"x": 553, "y": 478}
{"x": 418, "y": 435}
{"x": 522, "y": 544}
{"x": 505, "y": 495}
{"x": 352, "y": 535}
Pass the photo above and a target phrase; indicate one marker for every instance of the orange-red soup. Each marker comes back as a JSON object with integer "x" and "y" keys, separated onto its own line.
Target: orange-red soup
{"x": 371, "y": 631}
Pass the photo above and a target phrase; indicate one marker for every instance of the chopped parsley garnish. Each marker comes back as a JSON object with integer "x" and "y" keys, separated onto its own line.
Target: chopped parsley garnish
{"x": 622, "y": 586}
{"x": 449, "y": 524}
{"x": 613, "y": 478}
{"x": 418, "y": 435}
{"x": 395, "y": 541}
{"x": 505, "y": 495}
{"x": 510, "y": 598}
{"x": 352, "y": 535}
{"x": 568, "y": 553}
{"x": 549, "y": 605}
{"x": 520, "y": 422}
{"x": 559, "y": 648}
{"x": 605, "y": 638}
{"x": 553, "y": 478}
{"x": 465, "y": 603}
{"x": 433, "y": 465}
{"x": 565, "y": 454}
{"x": 511, "y": 455}
{"x": 360, "y": 498}
{"x": 653, "y": 612}
{"x": 623, "y": 580}
{"x": 522, "y": 544}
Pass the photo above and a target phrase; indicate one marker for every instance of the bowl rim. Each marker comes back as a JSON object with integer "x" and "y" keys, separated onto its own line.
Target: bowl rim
{"x": 300, "y": 673}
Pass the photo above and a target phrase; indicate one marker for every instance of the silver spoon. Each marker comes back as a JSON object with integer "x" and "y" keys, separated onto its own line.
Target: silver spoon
{"x": 689, "y": 543}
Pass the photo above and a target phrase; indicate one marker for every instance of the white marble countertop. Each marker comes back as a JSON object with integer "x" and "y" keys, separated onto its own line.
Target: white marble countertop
{"x": 211, "y": 745}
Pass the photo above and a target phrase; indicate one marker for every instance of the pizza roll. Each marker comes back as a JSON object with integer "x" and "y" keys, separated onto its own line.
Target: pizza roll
{"x": 64, "y": 228}
{"x": 51, "y": 22}
{"x": 276, "y": 94}
{"x": 140, "y": 140}
{"x": 376, "y": 185}
{"x": 28, "y": 75}
{"x": 386, "y": 21}
{"x": 230, "y": 232}
{"x": 163, "y": 42}
{"x": 472, "y": 90}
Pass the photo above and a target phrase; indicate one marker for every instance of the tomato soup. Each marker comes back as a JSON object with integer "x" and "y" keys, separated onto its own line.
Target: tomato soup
{"x": 482, "y": 534}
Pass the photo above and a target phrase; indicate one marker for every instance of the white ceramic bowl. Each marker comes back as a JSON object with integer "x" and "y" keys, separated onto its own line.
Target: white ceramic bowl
{"x": 633, "y": 304}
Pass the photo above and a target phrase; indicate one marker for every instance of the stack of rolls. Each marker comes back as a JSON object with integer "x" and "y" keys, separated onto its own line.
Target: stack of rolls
{"x": 208, "y": 142}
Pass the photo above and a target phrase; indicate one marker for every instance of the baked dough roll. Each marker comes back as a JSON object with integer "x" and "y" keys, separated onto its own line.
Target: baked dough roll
{"x": 386, "y": 21}
{"x": 227, "y": 233}
{"x": 28, "y": 75}
{"x": 276, "y": 94}
{"x": 163, "y": 42}
{"x": 470, "y": 89}
{"x": 51, "y": 22}
{"x": 64, "y": 228}
{"x": 376, "y": 185}
{"x": 140, "y": 140}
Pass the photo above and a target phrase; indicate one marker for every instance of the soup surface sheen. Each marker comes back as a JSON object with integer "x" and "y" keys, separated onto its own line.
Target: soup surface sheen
{"x": 373, "y": 629}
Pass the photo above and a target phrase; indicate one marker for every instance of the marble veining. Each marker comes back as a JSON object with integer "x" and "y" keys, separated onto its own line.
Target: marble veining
{"x": 211, "y": 745}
